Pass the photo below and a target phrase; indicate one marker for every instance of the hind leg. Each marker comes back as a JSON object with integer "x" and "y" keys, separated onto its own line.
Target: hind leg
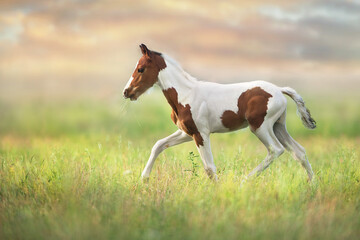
{"x": 266, "y": 135}
{"x": 291, "y": 145}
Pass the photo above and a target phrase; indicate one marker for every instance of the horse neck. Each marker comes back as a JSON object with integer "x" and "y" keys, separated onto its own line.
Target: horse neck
{"x": 173, "y": 76}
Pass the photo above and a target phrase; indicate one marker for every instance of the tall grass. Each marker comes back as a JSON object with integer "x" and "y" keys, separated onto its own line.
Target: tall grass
{"x": 71, "y": 170}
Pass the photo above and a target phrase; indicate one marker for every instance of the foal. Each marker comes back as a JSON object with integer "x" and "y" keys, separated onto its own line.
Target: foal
{"x": 200, "y": 108}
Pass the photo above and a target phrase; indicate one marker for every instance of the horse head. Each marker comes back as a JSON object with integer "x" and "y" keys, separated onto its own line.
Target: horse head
{"x": 145, "y": 74}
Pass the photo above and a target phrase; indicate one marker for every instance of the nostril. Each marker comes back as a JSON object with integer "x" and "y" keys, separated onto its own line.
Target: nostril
{"x": 126, "y": 92}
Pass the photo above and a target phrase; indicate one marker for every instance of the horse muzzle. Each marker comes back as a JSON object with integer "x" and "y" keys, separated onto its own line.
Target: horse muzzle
{"x": 129, "y": 94}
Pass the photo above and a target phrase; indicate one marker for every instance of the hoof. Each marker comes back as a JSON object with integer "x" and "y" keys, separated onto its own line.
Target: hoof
{"x": 145, "y": 180}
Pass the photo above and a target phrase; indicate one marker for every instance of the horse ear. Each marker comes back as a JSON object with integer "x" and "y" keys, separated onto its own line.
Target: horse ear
{"x": 145, "y": 51}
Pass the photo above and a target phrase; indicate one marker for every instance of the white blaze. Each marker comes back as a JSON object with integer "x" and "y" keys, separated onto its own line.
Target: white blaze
{"x": 130, "y": 80}
{"x": 128, "y": 83}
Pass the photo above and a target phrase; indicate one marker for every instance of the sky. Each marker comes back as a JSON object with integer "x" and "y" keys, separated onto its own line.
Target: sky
{"x": 90, "y": 47}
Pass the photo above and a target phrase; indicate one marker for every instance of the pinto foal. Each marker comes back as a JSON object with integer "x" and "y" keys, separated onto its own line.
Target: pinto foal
{"x": 200, "y": 108}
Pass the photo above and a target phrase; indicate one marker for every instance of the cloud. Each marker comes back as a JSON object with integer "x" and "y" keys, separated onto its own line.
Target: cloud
{"x": 222, "y": 41}
{"x": 11, "y": 27}
{"x": 328, "y": 29}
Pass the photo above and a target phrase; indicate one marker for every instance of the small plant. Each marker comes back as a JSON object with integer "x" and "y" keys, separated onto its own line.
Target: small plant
{"x": 194, "y": 164}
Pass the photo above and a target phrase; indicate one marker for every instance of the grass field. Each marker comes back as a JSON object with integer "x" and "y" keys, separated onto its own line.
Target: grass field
{"x": 70, "y": 170}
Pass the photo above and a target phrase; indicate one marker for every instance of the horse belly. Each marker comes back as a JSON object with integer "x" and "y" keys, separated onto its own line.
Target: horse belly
{"x": 237, "y": 124}
{"x": 223, "y": 120}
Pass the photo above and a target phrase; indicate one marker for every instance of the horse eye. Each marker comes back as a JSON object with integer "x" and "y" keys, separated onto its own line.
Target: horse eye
{"x": 141, "y": 70}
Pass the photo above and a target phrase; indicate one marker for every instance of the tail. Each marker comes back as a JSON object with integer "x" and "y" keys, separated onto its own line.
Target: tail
{"x": 304, "y": 113}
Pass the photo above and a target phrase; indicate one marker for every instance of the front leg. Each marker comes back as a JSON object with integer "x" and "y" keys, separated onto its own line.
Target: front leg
{"x": 207, "y": 157}
{"x": 172, "y": 140}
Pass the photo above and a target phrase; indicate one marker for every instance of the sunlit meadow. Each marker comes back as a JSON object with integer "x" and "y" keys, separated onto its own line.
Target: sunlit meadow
{"x": 72, "y": 170}
{"x": 72, "y": 150}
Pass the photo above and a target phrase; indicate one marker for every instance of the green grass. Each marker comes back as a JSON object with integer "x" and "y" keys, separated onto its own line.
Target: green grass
{"x": 70, "y": 170}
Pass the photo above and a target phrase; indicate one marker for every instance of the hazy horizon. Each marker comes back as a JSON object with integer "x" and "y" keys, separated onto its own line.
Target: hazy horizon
{"x": 65, "y": 48}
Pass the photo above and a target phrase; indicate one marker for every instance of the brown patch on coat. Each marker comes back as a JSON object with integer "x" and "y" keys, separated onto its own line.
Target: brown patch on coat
{"x": 252, "y": 107}
{"x": 146, "y": 73}
{"x": 182, "y": 117}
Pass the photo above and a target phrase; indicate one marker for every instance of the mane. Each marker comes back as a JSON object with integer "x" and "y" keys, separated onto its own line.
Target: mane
{"x": 176, "y": 65}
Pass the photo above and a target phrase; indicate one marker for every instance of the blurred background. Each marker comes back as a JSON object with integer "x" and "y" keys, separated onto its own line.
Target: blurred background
{"x": 88, "y": 48}
{"x": 63, "y": 64}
